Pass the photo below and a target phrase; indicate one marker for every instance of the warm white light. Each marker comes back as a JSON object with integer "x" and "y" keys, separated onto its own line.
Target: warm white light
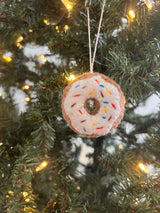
{"x": 41, "y": 166}
{"x": 27, "y": 99}
{"x": 121, "y": 146}
{"x": 0, "y": 94}
{"x": 66, "y": 27}
{"x": 46, "y": 21}
{"x": 43, "y": 58}
{"x": 149, "y": 4}
{"x": 71, "y": 78}
{"x": 143, "y": 168}
{"x": 19, "y": 45}
{"x": 132, "y": 14}
{"x": 26, "y": 87}
{"x": 25, "y": 194}
{"x": 7, "y": 59}
{"x": 20, "y": 39}
{"x": 69, "y": 6}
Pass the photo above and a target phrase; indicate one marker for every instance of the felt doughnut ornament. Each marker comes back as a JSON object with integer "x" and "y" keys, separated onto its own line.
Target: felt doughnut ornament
{"x": 93, "y": 105}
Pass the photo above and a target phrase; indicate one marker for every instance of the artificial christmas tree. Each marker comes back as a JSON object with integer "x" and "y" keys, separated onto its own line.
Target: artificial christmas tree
{"x": 44, "y": 46}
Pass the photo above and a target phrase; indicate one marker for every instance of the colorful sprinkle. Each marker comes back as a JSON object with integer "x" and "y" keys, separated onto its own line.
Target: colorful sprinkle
{"x": 92, "y": 92}
{"x": 105, "y": 109}
{"x": 109, "y": 91}
{"x": 77, "y": 86}
{"x": 105, "y": 102}
{"x": 97, "y": 81}
{"x": 72, "y": 115}
{"x": 83, "y": 121}
{"x": 95, "y": 124}
{"x": 85, "y": 129}
{"x": 104, "y": 117}
{"x": 77, "y": 95}
{"x": 102, "y": 94}
{"x": 83, "y": 87}
{"x": 100, "y": 127}
{"x": 73, "y": 105}
{"x": 80, "y": 111}
{"x": 101, "y": 85}
{"x": 109, "y": 118}
{"x": 113, "y": 106}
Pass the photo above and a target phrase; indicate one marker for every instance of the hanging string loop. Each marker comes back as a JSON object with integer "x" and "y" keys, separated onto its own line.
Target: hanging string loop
{"x": 92, "y": 60}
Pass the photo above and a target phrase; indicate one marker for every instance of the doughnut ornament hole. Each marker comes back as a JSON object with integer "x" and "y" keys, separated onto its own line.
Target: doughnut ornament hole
{"x": 92, "y": 106}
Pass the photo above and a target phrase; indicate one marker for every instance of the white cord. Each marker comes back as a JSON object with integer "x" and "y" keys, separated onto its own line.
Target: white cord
{"x": 99, "y": 27}
{"x": 89, "y": 39}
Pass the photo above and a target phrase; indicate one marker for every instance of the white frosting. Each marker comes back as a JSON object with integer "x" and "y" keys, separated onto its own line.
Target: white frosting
{"x": 100, "y": 123}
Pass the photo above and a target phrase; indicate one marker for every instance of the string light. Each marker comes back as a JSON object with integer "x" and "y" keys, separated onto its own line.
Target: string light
{"x": 26, "y": 87}
{"x": 2, "y": 175}
{"x": 27, "y": 99}
{"x": 0, "y": 94}
{"x": 43, "y": 58}
{"x": 19, "y": 45}
{"x": 149, "y": 4}
{"x": 10, "y": 192}
{"x": 132, "y": 14}
{"x": 71, "y": 78}
{"x": 20, "y": 39}
{"x": 120, "y": 146}
{"x": 66, "y": 27}
{"x": 143, "y": 168}
{"x": 1, "y": 143}
{"x": 57, "y": 28}
{"x": 67, "y": 4}
{"x": 46, "y": 21}
{"x": 41, "y": 166}
{"x": 7, "y": 59}
{"x": 25, "y": 194}
{"x": 30, "y": 30}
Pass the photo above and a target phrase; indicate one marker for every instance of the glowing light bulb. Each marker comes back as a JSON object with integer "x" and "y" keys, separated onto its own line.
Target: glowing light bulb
{"x": 41, "y": 166}
{"x": 20, "y": 39}
{"x": 25, "y": 194}
{"x": 27, "y": 99}
{"x": 1, "y": 143}
{"x": 19, "y": 45}
{"x": 46, "y": 21}
{"x": 30, "y": 30}
{"x": 149, "y": 4}
{"x": 26, "y": 87}
{"x": 67, "y": 4}
{"x": 120, "y": 146}
{"x": 43, "y": 58}
{"x": 7, "y": 59}
{"x": 0, "y": 94}
{"x": 71, "y": 78}
{"x": 132, "y": 14}
{"x": 66, "y": 27}
{"x": 143, "y": 168}
{"x": 10, "y": 192}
